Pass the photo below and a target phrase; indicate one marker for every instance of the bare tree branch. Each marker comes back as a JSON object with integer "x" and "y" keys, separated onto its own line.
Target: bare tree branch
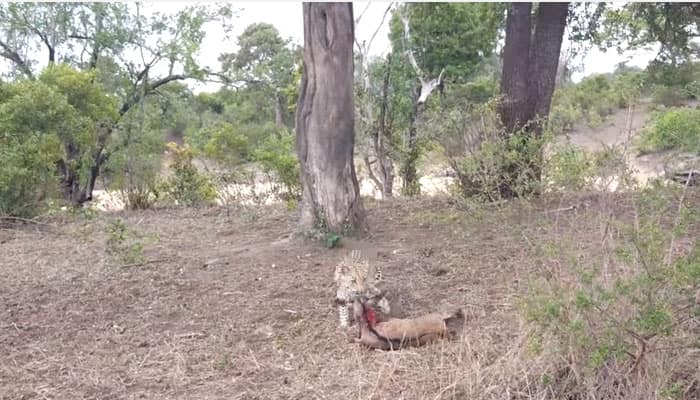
{"x": 427, "y": 87}
{"x": 12, "y": 55}
{"x": 150, "y": 88}
{"x": 386, "y": 12}
{"x": 44, "y": 38}
{"x": 407, "y": 47}
{"x": 357, "y": 20}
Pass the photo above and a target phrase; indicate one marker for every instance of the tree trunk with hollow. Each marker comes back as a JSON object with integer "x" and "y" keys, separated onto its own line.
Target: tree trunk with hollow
{"x": 325, "y": 122}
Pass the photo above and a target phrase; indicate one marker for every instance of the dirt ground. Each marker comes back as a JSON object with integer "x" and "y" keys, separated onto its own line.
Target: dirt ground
{"x": 233, "y": 308}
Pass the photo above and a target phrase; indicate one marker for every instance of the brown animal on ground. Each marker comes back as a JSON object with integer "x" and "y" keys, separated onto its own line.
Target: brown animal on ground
{"x": 394, "y": 334}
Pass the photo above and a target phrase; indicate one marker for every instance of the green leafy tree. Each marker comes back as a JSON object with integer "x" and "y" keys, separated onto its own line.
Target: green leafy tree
{"x": 441, "y": 42}
{"x": 673, "y": 26}
{"x": 104, "y": 37}
{"x": 98, "y": 113}
{"x": 60, "y": 113}
{"x": 267, "y": 64}
{"x": 456, "y": 37}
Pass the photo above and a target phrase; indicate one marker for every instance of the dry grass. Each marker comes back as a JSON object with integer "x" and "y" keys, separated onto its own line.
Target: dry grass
{"x": 232, "y": 309}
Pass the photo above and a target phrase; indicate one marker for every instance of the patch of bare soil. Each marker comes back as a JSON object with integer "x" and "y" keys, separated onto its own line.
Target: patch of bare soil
{"x": 619, "y": 130}
{"x": 236, "y": 309}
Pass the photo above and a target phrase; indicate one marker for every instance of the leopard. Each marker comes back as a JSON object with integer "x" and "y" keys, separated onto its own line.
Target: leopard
{"x": 356, "y": 278}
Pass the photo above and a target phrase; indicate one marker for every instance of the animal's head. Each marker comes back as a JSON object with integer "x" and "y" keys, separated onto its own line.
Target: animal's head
{"x": 351, "y": 274}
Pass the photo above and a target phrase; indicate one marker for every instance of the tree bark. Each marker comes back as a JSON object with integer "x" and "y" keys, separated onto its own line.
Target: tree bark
{"x": 544, "y": 57}
{"x": 515, "y": 107}
{"x": 528, "y": 78}
{"x": 325, "y": 122}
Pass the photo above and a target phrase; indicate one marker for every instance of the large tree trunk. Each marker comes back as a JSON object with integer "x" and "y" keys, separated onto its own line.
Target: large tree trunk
{"x": 515, "y": 107}
{"x": 529, "y": 74}
{"x": 325, "y": 122}
{"x": 544, "y": 57}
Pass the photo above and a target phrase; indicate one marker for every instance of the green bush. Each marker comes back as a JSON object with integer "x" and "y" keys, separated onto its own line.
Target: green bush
{"x": 673, "y": 75}
{"x": 692, "y": 90}
{"x": 276, "y": 155}
{"x": 36, "y": 121}
{"x": 480, "y": 90}
{"x": 669, "y": 96}
{"x": 569, "y": 168}
{"x": 590, "y": 100}
{"x": 187, "y": 186}
{"x": 126, "y": 244}
{"x": 563, "y": 117}
{"x": 626, "y": 303}
{"x": 28, "y": 174}
{"x": 594, "y": 98}
{"x": 49, "y": 126}
{"x": 499, "y": 166}
{"x": 134, "y": 167}
{"x": 501, "y": 169}
{"x": 223, "y": 143}
{"x": 677, "y": 128}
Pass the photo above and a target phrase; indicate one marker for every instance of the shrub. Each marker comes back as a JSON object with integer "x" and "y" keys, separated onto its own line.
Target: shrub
{"x": 628, "y": 303}
{"x": 669, "y": 96}
{"x": 34, "y": 118}
{"x": 502, "y": 168}
{"x": 563, "y": 117}
{"x": 670, "y": 75}
{"x": 677, "y": 128}
{"x": 187, "y": 186}
{"x": 123, "y": 243}
{"x": 28, "y": 174}
{"x": 692, "y": 89}
{"x": 590, "y": 100}
{"x": 480, "y": 90}
{"x": 594, "y": 98}
{"x": 223, "y": 143}
{"x": 569, "y": 168}
{"x": 133, "y": 169}
{"x": 277, "y": 156}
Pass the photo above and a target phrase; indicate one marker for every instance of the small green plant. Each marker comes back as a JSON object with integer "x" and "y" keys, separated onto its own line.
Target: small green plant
{"x": 673, "y": 129}
{"x": 223, "y": 362}
{"x": 124, "y": 244}
{"x": 333, "y": 240}
{"x": 322, "y": 234}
